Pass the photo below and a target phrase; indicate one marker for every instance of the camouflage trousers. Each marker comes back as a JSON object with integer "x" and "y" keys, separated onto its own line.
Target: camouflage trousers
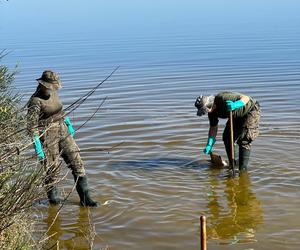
{"x": 57, "y": 143}
{"x": 245, "y": 129}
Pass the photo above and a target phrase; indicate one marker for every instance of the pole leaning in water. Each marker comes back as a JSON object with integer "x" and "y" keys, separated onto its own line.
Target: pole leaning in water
{"x": 203, "y": 232}
{"x": 231, "y": 160}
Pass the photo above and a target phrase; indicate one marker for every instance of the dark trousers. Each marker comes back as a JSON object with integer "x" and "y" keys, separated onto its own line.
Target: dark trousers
{"x": 245, "y": 130}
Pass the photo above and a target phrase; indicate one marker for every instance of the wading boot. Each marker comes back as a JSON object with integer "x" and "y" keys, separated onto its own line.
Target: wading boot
{"x": 244, "y": 156}
{"x": 53, "y": 197}
{"x": 83, "y": 192}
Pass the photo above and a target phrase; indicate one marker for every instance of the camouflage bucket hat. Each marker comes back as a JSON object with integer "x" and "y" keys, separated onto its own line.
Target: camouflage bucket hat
{"x": 50, "y": 80}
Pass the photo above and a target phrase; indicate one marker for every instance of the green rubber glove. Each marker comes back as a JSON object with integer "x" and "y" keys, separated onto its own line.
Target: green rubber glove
{"x": 234, "y": 105}
{"x": 209, "y": 145}
{"x": 70, "y": 126}
{"x": 38, "y": 147}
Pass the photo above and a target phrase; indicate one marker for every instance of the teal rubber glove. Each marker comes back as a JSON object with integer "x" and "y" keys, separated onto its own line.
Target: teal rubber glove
{"x": 38, "y": 147}
{"x": 70, "y": 126}
{"x": 234, "y": 105}
{"x": 210, "y": 143}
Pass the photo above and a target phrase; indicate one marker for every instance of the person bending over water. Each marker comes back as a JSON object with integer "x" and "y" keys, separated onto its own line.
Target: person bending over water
{"x": 246, "y": 114}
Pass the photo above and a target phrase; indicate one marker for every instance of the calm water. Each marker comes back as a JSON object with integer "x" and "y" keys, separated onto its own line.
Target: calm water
{"x": 152, "y": 176}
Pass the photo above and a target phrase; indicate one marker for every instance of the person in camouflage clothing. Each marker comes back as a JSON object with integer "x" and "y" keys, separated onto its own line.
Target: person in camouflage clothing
{"x": 52, "y": 134}
{"x": 246, "y": 114}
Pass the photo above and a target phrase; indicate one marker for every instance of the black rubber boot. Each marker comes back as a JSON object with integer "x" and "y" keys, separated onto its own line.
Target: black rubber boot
{"x": 244, "y": 156}
{"x": 83, "y": 192}
{"x": 53, "y": 197}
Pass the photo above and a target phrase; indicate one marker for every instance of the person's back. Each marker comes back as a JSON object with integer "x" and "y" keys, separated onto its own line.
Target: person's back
{"x": 246, "y": 115}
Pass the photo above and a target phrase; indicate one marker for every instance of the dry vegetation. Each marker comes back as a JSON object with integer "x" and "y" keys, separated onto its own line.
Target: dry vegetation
{"x": 20, "y": 177}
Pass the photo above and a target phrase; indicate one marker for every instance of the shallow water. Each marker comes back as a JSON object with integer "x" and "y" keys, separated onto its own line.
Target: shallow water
{"x": 143, "y": 149}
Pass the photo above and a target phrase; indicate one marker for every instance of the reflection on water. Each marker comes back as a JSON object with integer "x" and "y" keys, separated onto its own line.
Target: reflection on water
{"x": 78, "y": 235}
{"x": 158, "y": 196}
{"x": 157, "y": 180}
{"x": 233, "y": 216}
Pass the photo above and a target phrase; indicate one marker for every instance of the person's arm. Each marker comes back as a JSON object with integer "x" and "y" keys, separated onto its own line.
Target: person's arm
{"x": 212, "y": 134}
{"x": 69, "y": 126}
{"x": 245, "y": 99}
{"x": 237, "y": 104}
{"x": 213, "y": 131}
{"x": 32, "y": 116}
{"x": 32, "y": 127}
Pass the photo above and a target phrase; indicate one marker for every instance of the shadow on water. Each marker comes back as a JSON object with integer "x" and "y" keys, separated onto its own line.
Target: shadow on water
{"x": 234, "y": 214}
{"x": 160, "y": 163}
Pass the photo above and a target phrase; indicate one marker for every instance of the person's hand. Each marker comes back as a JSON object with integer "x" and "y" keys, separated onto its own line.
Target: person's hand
{"x": 207, "y": 150}
{"x": 230, "y": 105}
{"x": 70, "y": 126}
{"x": 38, "y": 148}
{"x": 210, "y": 143}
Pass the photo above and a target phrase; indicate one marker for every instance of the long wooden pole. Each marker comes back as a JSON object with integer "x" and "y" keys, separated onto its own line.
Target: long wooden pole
{"x": 203, "y": 232}
{"x": 231, "y": 160}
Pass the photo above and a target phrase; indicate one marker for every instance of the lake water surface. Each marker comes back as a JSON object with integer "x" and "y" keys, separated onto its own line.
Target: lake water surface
{"x": 143, "y": 149}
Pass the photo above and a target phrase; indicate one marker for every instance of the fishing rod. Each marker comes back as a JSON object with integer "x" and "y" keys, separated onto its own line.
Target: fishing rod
{"x": 83, "y": 98}
{"x": 18, "y": 150}
{"x": 79, "y": 101}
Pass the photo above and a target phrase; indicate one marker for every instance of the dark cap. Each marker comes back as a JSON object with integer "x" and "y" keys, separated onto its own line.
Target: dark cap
{"x": 203, "y": 104}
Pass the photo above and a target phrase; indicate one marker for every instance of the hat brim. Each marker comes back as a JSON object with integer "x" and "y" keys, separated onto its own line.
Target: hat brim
{"x": 53, "y": 86}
